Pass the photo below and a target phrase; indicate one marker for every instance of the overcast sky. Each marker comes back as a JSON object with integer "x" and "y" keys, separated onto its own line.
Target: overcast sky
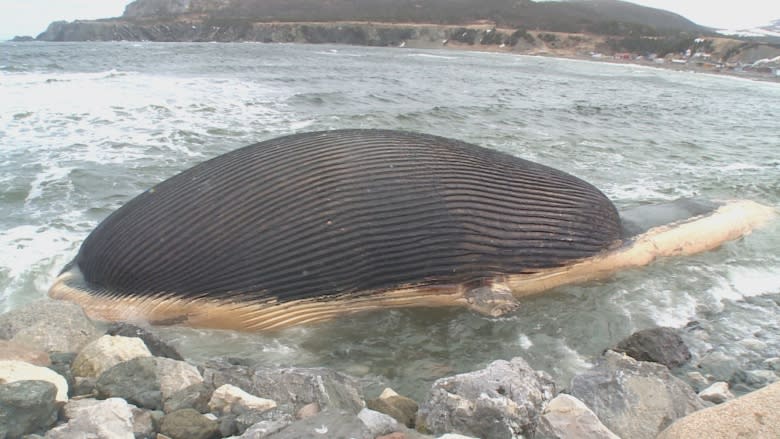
{"x": 30, "y": 17}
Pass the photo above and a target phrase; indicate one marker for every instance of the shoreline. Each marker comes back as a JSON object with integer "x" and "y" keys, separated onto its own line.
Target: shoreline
{"x": 682, "y": 68}
{"x": 706, "y": 53}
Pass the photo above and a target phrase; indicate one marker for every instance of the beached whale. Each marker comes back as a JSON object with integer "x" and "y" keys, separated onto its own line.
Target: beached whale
{"x": 312, "y": 226}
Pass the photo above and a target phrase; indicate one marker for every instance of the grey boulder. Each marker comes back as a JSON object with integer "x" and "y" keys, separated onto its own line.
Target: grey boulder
{"x": 49, "y": 325}
{"x": 377, "y": 423}
{"x": 195, "y": 396}
{"x": 291, "y": 388}
{"x": 504, "y": 400}
{"x": 27, "y": 407}
{"x": 189, "y": 424}
{"x": 634, "y": 399}
{"x": 566, "y": 417}
{"x": 659, "y": 345}
{"x": 147, "y": 381}
{"x": 90, "y": 418}
{"x": 254, "y": 425}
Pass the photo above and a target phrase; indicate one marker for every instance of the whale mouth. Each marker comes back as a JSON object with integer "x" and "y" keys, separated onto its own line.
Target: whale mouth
{"x": 639, "y": 219}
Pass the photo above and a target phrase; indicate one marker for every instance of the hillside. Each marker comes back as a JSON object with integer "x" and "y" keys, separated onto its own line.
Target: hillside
{"x": 376, "y": 22}
{"x": 597, "y": 16}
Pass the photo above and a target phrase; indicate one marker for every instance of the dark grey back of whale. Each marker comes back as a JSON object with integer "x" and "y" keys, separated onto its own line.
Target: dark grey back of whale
{"x": 344, "y": 212}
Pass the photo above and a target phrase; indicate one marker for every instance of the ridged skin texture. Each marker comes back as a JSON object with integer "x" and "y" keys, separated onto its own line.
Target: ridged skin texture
{"x": 344, "y": 212}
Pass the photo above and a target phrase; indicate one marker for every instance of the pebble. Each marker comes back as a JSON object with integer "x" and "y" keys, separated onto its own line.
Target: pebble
{"x": 697, "y": 380}
{"x": 717, "y": 393}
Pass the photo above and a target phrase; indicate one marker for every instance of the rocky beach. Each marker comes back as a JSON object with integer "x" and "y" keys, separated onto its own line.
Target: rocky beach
{"x": 63, "y": 375}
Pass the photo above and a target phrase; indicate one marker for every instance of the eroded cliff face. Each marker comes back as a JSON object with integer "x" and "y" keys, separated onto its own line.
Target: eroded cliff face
{"x": 195, "y": 30}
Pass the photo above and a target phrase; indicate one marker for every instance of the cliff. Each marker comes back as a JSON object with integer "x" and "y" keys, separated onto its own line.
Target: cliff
{"x": 173, "y": 20}
{"x": 223, "y": 30}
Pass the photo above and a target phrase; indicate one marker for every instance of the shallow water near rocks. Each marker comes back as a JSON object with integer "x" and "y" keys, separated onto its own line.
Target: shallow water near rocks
{"x": 84, "y": 127}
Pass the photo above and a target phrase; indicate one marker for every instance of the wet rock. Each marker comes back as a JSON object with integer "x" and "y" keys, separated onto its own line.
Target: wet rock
{"x": 12, "y": 371}
{"x": 230, "y": 399}
{"x": 90, "y": 418}
{"x": 754, "y": 378}
{"x": 717, "y": 393}
{"x": 10, "y": 351}
{"x": 401, "y": 408}
{"x": 697, "y": 380}
{"x": 27, "y": 407}
{"x": 195, "y": 396}
{"x": 156, "y": 346}
{"x": 566, "y": 417}
{"x": 106, "y": 352}
{"x": 659, "y": 345}
{"x": 753, "y": 344}
{"x": 503, "y": 400}
{"x": 718, "y": 366}
{"x": 378, "y": 423}
{"x": 49, "y": 325}
{"x": 289, "y": 387}
{"x": 189, "y": 424}
{"x": 634, "y": 399}
{"x": 754, "y": 415}
{"x": 147, "y": 381}
{"x": 772, "y": 363}
{"x": 329, "y": 423}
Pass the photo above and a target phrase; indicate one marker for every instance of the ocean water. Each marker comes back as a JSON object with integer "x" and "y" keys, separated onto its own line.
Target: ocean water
{"x": 84, "y": 127}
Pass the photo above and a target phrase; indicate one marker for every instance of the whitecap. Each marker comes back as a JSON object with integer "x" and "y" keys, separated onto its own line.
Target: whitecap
{"x": 752, "y": 281}
{"x": 428, "y": 55}
{"x": 43, "y": 179}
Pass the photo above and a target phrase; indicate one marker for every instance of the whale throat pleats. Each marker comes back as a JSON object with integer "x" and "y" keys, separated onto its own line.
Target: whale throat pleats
{"x": 348, "y": 212}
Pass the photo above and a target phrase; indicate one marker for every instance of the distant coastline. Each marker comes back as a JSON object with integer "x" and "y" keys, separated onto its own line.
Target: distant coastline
{"x": 715, "y": 55}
